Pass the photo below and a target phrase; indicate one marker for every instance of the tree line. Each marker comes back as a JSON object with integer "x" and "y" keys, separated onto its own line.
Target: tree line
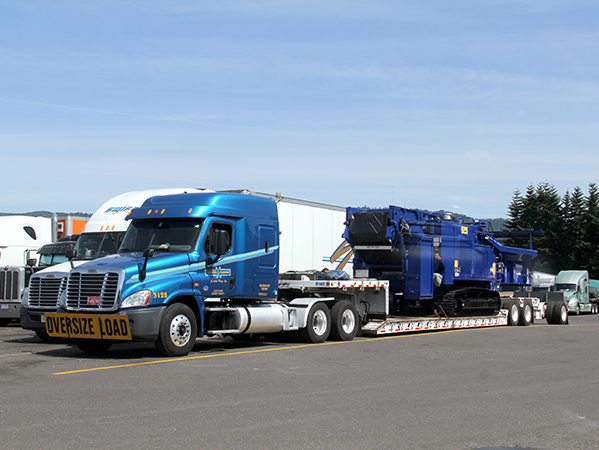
{"x": 570, "y": 223}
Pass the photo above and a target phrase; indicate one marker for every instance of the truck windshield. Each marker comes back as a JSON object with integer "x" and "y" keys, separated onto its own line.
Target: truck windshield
{"x": 565, "y": 287}
{"x": 96, "y": 245}
{"x": 51, "y": 260}
{"x": 163, "y": 235}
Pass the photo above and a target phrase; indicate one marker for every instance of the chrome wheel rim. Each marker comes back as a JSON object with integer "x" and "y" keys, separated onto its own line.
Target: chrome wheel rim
{"x": 348, "y": 321}
{"x": 180, "y": 330}
{"x": 319, "y": 323}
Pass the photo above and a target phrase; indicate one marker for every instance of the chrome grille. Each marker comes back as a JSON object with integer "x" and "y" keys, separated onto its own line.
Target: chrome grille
{"x": 44, "y": 291}
{"x": 92, "y": 291}
{"x": 9, "y": 285}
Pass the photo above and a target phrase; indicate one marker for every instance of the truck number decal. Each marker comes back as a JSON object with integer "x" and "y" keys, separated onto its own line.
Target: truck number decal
{"x": 160, "y": 294}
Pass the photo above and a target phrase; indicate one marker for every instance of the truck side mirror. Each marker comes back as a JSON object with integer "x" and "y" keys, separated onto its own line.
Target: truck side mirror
{"x": 31, "y": 262}
{"x": 220, "y": 246}
{"x": 70, "y": 254}
{"x": 221, "y": 241}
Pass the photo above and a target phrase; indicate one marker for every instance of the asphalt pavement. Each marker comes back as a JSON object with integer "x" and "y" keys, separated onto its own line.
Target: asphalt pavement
{"x": 533, "y": 387}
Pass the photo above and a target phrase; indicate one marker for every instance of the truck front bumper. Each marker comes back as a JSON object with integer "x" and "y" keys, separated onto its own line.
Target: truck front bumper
{"x": 9, "y": 310}
{"x": 32, "y": 319}
{"x": 144, "y": 323}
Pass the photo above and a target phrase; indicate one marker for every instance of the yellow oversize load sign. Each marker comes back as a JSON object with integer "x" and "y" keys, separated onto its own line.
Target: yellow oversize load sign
{"x": 88, "y": 326}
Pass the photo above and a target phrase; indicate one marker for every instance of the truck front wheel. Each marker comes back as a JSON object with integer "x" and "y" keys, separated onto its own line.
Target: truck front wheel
{"x": 178, "y": 331}
{"x": 344, "y": 321}
{"x": 318, "y": 324}
{"x": 93, "y": 346}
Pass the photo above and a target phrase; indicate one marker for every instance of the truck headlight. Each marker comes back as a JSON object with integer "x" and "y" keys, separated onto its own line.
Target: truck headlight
{"x": 25, "y": 298}
{"x": 140, "y": 298}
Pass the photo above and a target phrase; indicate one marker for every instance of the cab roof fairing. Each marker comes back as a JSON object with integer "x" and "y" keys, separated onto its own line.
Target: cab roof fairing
{"x": 203, "y": 205}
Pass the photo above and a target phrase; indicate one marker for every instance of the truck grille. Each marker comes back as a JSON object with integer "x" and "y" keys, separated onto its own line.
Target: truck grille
{"x": 44, "y": 291}
{"x": 92, "y": 291}
{"x": 9, "y": 285}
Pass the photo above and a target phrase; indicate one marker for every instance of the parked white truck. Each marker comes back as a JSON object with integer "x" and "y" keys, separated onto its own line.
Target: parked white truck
{"x": 21, "y": 236}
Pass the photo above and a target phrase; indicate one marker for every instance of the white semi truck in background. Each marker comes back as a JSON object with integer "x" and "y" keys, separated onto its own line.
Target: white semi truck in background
{"x": 21, "y": 236}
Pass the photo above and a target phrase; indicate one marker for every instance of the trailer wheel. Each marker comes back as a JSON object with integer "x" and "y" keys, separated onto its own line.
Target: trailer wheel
{"x": 93, "y": 347}
{"x": 549, "y": 313}
{"x": 344, "y": 321}
{"x": 560, "y": 314}
{"x": 318, "y": 324}
{"x": 526, "y": 315}
{"x": 178, "y": 331}
{"x": 513, "y": 315}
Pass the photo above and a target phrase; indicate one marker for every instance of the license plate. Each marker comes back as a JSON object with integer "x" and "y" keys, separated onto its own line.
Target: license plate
{"x": 88, "y": 326}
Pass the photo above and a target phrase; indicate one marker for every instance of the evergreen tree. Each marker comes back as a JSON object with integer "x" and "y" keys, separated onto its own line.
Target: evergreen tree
{"x": 590, "y": 233}
{"x": 574, "y": 230}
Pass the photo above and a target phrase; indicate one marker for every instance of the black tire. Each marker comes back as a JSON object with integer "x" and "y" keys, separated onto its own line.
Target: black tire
{"x": 560, "y": 314}
{"x": 549, "y": 313}
{"x": 526, "y": 314}
{"x": 44, "y": 336}
{"x": 577, "y": 312}
{"x": 178, "y": 331}
{"x": 344, "y": 321}
{"x": 513, "y": 313}
{"x": 318, "y": 324}
{"x": 93, "y": 347}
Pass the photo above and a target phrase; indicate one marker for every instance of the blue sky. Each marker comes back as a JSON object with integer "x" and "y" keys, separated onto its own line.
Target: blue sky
{"x": 425, "y": 104}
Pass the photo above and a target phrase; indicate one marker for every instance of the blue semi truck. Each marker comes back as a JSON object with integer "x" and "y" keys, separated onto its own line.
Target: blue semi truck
{"x": 207, "y": 264}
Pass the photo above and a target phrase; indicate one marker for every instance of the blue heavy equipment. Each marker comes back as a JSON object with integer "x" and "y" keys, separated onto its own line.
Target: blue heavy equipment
{"x": 435, "y": 261}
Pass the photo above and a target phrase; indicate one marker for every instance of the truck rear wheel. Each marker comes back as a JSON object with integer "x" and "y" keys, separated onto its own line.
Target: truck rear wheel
{"x": 549, "y": 313}
{"x": 526, "y": 315}
{"x": 318, "y": 324}
{"x": 344, "y": 321}
{"x": 560, "y": 314}
{"x": 178, "y": 331}
{"x": 513, "y": 313}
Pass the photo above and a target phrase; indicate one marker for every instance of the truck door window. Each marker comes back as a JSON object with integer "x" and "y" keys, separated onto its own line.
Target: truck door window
{"x": 210, "y": 244}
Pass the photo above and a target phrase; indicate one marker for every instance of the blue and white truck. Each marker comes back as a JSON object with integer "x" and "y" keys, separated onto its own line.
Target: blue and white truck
{"x": 205, "y": 264}
{"x": 101, "y": 236}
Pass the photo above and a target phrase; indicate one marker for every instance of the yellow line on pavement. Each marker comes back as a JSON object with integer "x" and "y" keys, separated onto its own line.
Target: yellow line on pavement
{"x": 17, "y": 354}
{"x": 247, "y": 352}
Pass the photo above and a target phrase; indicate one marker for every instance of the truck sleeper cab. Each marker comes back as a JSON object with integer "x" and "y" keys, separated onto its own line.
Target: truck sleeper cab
{"x": 190, "y": 265}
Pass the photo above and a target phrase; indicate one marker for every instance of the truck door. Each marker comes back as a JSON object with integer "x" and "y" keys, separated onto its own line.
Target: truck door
{"x": 217, "y": 249}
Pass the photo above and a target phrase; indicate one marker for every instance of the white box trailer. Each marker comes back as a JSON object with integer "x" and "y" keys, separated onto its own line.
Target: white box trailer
{"x": 309, "y": 232}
